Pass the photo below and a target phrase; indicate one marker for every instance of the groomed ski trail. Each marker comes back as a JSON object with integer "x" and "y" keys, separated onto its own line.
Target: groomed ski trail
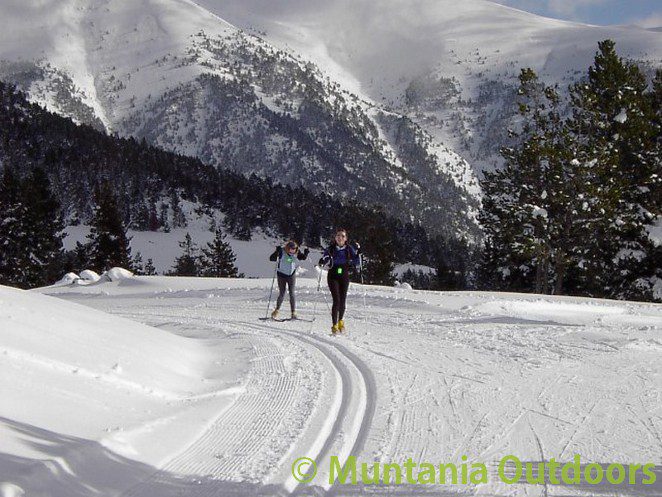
{"x": 233, "y": 445}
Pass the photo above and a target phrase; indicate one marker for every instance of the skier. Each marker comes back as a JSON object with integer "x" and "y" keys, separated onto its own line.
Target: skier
{"x": 340, "y": 257}
{"x": 287, "y": 258}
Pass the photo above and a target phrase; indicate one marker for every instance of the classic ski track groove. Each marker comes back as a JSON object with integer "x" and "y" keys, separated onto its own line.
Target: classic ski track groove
{"x": 259, "y": 415}
{"x": 251, "y": 406}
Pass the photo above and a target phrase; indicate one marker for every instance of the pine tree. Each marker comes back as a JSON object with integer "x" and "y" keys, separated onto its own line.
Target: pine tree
{"x": 614, "y": 131}
{"x": 108, "y": 243}
{"x": 150, "y": 270}
{"x": 379, "y": 255}
{"x": 14, "y": 232}
{"x": 46, "y": 226}
{"x": 218, "y": 259}
{"x": 527, "y": 206}
{"x": 178, "y": 217}
{"x": 187, "y": 263}
{"x": 137, "y": 263}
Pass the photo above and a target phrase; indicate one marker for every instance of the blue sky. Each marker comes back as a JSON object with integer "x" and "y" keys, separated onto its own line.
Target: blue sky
{"x": 647, "y": 13}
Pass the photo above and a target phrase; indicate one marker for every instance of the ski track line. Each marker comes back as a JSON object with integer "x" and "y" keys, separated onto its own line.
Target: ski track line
{"x": 370, "y": 402}
{"x": 241, "y": 430}
{"x": 360, "y": 420}
{"x": 195, "y": 460}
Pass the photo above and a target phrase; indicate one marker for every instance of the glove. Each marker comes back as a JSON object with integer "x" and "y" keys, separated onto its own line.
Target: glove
{"x": 306, "y": 252}
{"x": 323, "y": 261}
{"x": 279, "y": 250}
{"x": 358, "y": 249}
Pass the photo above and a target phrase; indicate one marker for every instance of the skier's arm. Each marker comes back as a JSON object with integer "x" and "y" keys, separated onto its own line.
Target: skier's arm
{"x": 326, "y": 258}
{"x": 355, "y": 253}
{"x": 276, "y": 255}
{"x": 303, "y": 256}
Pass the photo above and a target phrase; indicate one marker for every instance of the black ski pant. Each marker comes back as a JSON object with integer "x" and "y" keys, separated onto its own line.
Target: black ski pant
{"x": 283, "y": 282}
{"x": 338, "y": 284}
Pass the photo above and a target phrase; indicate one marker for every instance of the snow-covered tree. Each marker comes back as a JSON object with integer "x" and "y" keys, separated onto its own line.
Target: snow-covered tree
{"x": 527, "y": 205}
{"x": 187, "y": 263}
{"x": 14, "y": 232}
{"x": 108, "y": 243}
{"x": 45, "y": 230}
{"x": 30, "y": 230}
{"x": 614, "y": 134}
{"x": 149, "y": 269}
{"x": 218, "y": 259}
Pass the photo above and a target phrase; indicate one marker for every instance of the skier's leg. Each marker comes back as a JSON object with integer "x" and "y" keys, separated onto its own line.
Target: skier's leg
{"x": 343, "y": 287}
{"x": 293, "y": 301}
{"x": 334, "y": 287}
{"x": 282, "y": 282}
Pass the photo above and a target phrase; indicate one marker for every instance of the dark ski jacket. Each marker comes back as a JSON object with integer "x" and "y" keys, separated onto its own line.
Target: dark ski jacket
{"x": 340, "y": 257}
{"x": 278, "y": 253}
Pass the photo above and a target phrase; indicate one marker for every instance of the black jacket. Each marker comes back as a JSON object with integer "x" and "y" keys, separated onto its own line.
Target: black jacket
{"x": 302, "y": 256}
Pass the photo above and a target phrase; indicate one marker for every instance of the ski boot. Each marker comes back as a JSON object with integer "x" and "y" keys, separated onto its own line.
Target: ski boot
{"x": 294, "y": 316}
{"x": 274, "y": 315}
{"x": 334, "y": 329}
{"x": 341, "y": 326}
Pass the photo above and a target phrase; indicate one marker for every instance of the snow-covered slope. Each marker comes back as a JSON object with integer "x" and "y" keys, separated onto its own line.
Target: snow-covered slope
{"x": 391, "y": 102}
{"x": 181, "y": 77}
{"x": 83, "y": 390}
{"x": 449, "y": 65}
{"x": 210, "y": 400}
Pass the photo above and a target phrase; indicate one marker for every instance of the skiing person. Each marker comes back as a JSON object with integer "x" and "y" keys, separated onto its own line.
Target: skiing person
{"x": 340, "y": 257}
{"x": 287, "y": 258}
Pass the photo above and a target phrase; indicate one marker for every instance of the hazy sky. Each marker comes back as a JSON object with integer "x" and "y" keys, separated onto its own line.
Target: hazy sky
{"x": 647, "y": 13}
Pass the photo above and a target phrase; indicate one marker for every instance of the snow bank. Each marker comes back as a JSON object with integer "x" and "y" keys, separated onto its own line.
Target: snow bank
{"x": 68, "y": 279}
{"x": 89, "y": 275}
{"x": 67, "y": 338}
{"x": 401, "y": 269}
{"x": 10, "y": 490}
{"x": 117, "y": 274}
{"x": 81, "y": 387}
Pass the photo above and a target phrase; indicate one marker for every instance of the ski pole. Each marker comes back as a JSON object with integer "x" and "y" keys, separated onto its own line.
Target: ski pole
{"x": 319, "y": 285}
{"x": 362, "y": 283}
{"x": 319, "y": 280}
{"x": 266, "y": 316}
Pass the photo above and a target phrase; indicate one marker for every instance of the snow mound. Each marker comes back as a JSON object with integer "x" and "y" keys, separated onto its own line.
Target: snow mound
{"x": 403, "y": 286}
{"x": 48, "y": 334}
{"x": 10, "y": 490}
{"x": 401, "y": 269}
{"x": 89, "y": 275}
{"x": 118, "y": 274}
{"x": 68, "y": 279}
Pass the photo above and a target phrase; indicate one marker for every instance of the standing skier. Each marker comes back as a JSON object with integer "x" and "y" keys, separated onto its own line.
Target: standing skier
{"x": 286, "y": 268}
{"x": 340, "y": 257}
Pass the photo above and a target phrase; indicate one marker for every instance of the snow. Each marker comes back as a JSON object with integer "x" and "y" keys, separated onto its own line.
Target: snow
{"x": 163, "y": 248}
{"x": 117, "y": 274}
{"x": 622, "y": 117}
{"x": 539, "y": 212}
{"x": 161, "y": 386}
{"x": 400, "y": 269}
{"x": 87, "y": 275}
{"x": 68, "y": 279}
{"x": 11, "y": 490}
{"x": 655, "y": 231}
{"x": 123, "y": 56}
{"x": 375, "y": 48}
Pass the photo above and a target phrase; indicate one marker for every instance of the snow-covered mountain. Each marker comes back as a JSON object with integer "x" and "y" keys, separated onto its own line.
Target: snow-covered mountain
{"x": 179, "y": 76}
{"x": 450, "y": 66}
{"x": 390, "y": 102}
